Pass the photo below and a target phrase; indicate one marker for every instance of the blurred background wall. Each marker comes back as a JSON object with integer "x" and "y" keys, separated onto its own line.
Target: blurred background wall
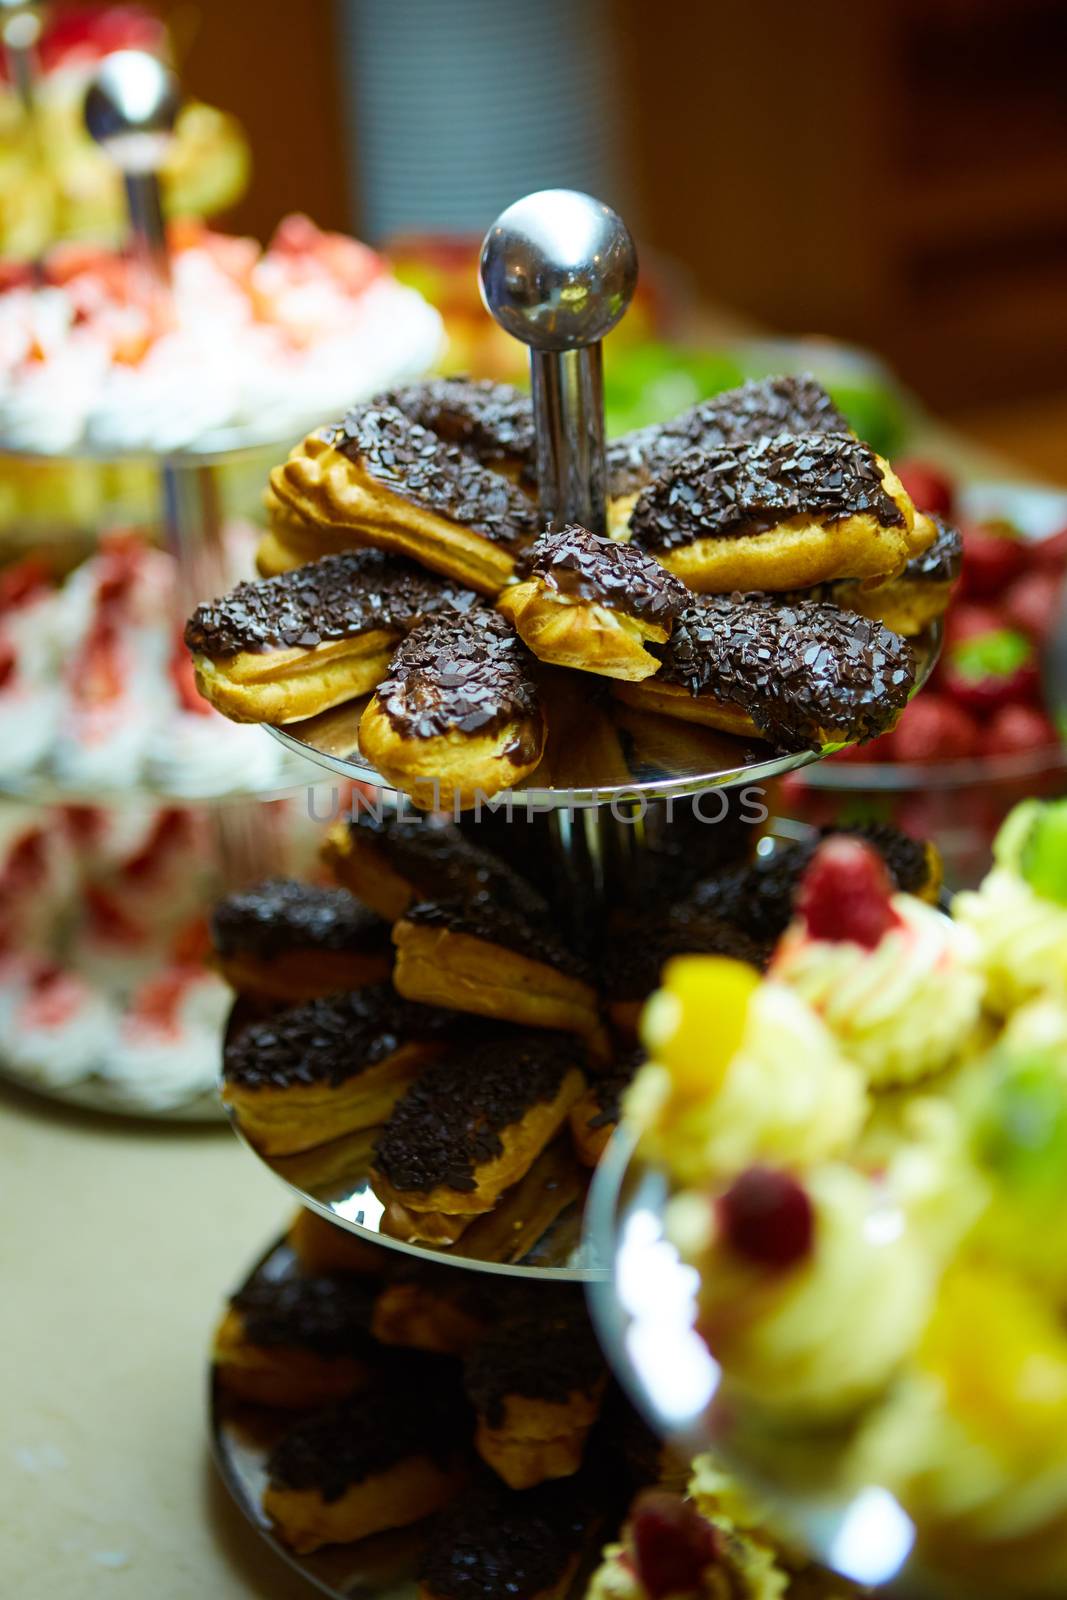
{"x": 893, "y": 172}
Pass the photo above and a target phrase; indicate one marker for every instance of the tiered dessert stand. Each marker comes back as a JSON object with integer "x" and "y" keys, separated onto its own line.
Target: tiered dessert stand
{"x": 130, "y": 111}
{"x": 557, "y": 271}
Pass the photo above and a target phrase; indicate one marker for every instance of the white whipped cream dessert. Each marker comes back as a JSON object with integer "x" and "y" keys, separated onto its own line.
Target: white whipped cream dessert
{"x": 257, "y": 347}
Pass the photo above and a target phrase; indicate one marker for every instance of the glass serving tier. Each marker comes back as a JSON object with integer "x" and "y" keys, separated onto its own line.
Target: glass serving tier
{"x": 533, "y": 1232}
{"x": 959, "y": 804}
{"x": 382, "y": 1567}
{"x": 644, "y": 1307}
{"x": 610, "y": 763}
{"x": 43, "y": 789}
{"x": 220, "y": 447}
{"x": 96, "y": 1094}
{"x": 241, "y": 1439}
{"x": 600, "y": 752}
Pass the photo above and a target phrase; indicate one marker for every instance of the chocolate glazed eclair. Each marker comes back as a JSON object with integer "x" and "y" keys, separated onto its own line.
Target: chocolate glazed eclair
{"x": 299, "y": 643}
{"x": 474, "y": 955}
{"x": 493, "y": 1543}
{"x": 400, "y": 488}
{"x": 292, "y": 541}
{"x": 536, "y": 1383}
{"x": 595, "y": 1116}
{"x": 472, "y": 1126}
{"x": 330, "y": 1067}
{"x": 590, "y": 603}
{"x": 758, "y": 896}
{"x": 296, "y": 1343}
{"x": 384, "y": 1460}
{"x": 801, "y": 674}
{"x": 493, "y": 422}
{"x": 291, "y": 941}
{"x": 390, "y": 864}
{"x": 785, "y": 513}
{"x": 757, "y": 410}
{"x": 458, "y": 715}
{"x": 921, "y": 593}
{"x": 640, "y": 946}
{"x": 423, "y": 1307}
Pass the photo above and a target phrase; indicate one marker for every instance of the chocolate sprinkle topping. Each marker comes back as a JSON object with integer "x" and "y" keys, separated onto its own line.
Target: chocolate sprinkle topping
{"x": 496, "y": 1544}
{"x": 328, "y": 1315}
{"x": 453, "y": 674}
{"x": 739, "y": 490}
{"x": 801, "y": 670}
{"x": 449, "y": 1122}
{"x": 578, "y": 563}
{"x": 940, "y": 562}
{"x": 639, "y": 950}
{"x": 609, "y": 1089}
{"x": 759, "y": 895}
{"x": 441, "y": 478}
{"x": 493, "y": 421}
{"x": 329, "y": 1041}
{"x": 757, "y": 410}
{"x": 441, "y": 863}
{"x": 348, "y": 1443}
{"x": 337, "y": 597}
{"x": 542, "y": 1354}
{"x": 282, "y": 914}
{"x": 481, "y": 917}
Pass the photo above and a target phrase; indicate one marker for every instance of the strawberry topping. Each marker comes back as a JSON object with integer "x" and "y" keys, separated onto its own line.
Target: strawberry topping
{"x": 673, "y": 1544}
{"x": 847, "y": 894}
{"x": 766, "y": 1216}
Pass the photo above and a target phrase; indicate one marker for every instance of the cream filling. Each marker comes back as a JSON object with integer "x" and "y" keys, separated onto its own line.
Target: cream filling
{"x": 1022, "y": 939}
{"x": 900, "y": 1011}
{"x": 789, "y": 1095}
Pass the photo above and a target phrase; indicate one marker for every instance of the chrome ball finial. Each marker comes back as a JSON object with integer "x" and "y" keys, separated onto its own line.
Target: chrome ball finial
{"x": 131, "y": 107}
{"x": 558, "y": 269}
{"x": 130, "y": 110}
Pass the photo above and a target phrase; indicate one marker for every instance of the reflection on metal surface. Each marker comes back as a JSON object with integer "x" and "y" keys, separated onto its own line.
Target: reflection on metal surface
{"x": 598, "y": 752}
{"x": 534, "y": 1231}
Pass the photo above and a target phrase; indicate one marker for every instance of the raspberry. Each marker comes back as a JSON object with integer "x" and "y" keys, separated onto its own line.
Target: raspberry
{"x": 673, "y": 1545}
{"x": 1016, "y": 730}
{"x": 990, "y": 670}
{"x": 766, "y": 1216}
{"x": 934, "y": 728}
{"x": 929, "y": 489}
{"x": 968, "y": 618}
{"x": 1051, "y": 552}
{"x": 993, "y": 557}
{"x": 846, "y": 894}
{"x": 1033, "y": 603}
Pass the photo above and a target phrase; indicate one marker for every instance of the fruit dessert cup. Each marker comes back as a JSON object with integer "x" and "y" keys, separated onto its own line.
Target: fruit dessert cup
{"x": 883, "y": 1294}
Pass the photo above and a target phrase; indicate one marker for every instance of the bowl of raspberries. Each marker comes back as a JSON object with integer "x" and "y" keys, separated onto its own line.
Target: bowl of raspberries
{"x": 985, "y": 731}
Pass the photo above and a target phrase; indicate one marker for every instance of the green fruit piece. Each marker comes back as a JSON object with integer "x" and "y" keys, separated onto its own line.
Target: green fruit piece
{"x": 1021, "y": 1132}
{"x": 1044, "y": 853}
{"x": 1013, "y": 834}
{"x": 876, "y": 413}
{"x": 991, "y": 655}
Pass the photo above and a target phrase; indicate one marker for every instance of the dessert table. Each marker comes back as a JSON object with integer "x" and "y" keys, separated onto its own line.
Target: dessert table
{"x": 121, "y": 1238}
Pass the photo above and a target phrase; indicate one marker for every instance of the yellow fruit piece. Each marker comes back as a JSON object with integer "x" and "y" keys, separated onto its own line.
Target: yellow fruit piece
{"x": 695, "y": 1023}
{"x": 1001, "y": 1352}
